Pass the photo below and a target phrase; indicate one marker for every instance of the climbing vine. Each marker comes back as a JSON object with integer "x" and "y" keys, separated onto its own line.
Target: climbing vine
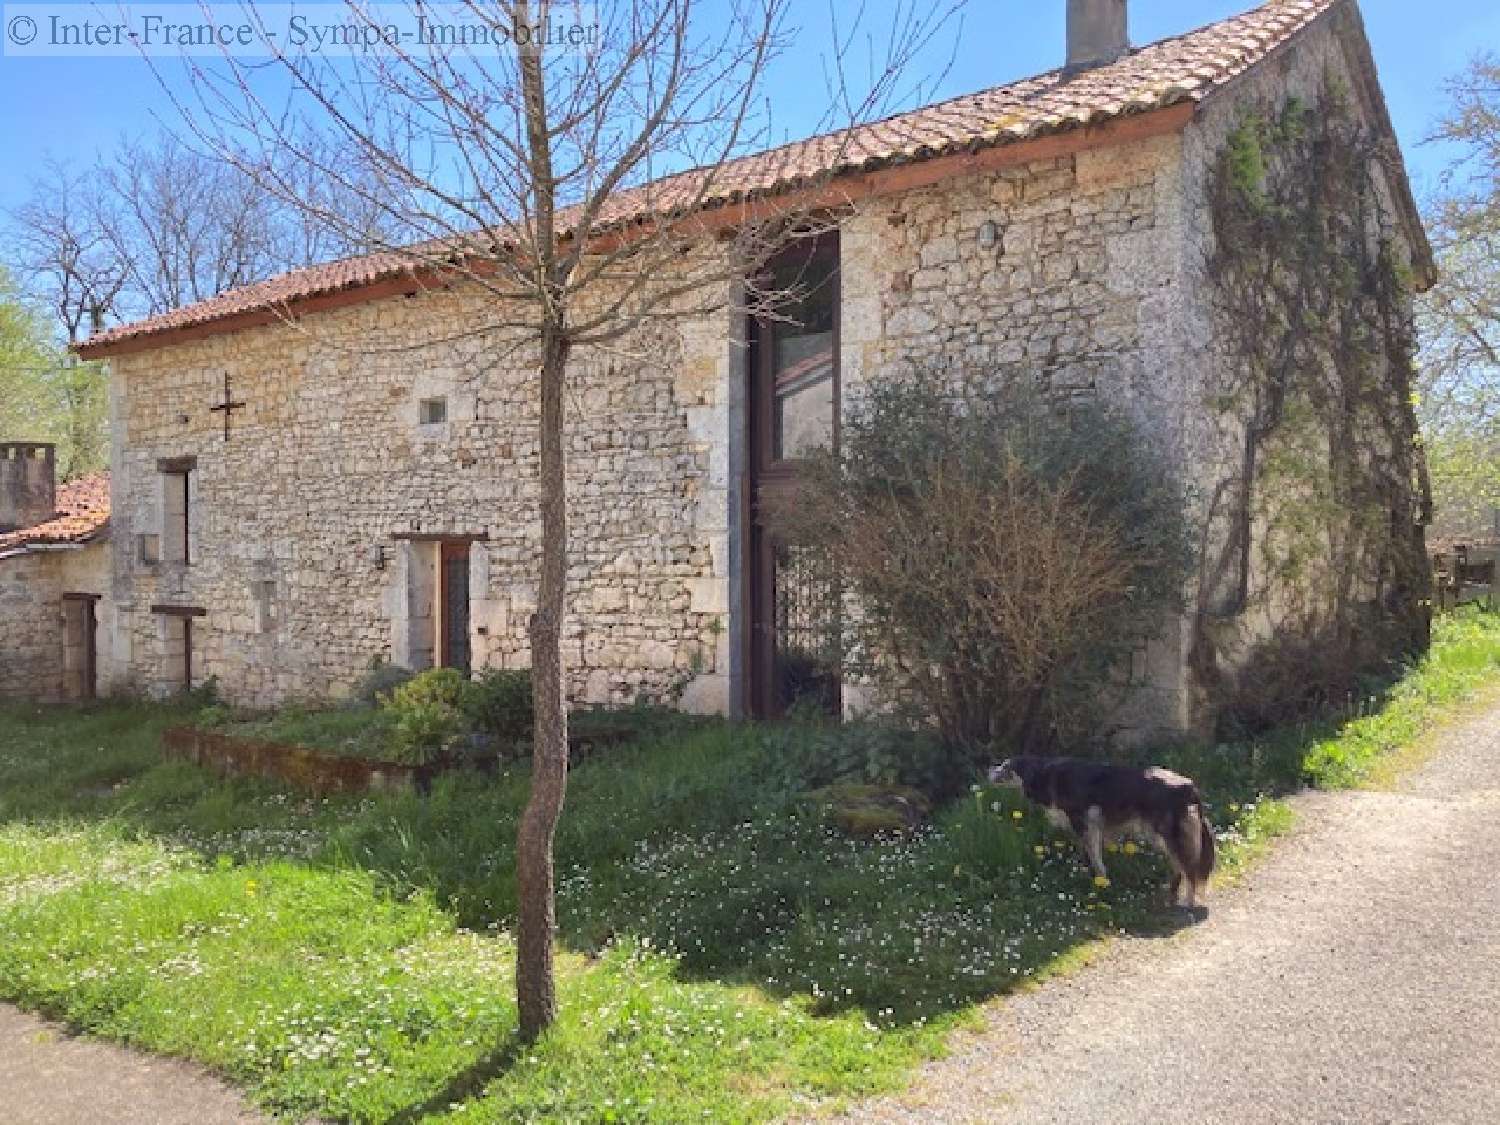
{"x": 1317, "y": 518}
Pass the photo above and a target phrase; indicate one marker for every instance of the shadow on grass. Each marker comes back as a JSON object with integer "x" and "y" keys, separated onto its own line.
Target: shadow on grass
{"x": 696, "y": 840}
{"x": 467, "y": 1083}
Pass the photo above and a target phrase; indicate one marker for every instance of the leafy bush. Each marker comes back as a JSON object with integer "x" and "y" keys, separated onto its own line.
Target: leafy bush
{"x": 816, "y": 755}
{"x": 1006, "y": 555}
{"x": 498, "y": 702}
{"x": 202, "y": 696}
{"x": 428, "y": 714}
{"x": 379, "y": 681}
{"x": 215, "y": 715}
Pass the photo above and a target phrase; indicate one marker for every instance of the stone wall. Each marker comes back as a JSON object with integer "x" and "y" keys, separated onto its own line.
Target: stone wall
{"x": 312, "y": 525}
{"x": 1329, "y": 60}
{"x": 1062, "y": 270}
{"x": 307, "y": 525}
{"x": 31, "y": 642}
{"x": 35, "y": 657}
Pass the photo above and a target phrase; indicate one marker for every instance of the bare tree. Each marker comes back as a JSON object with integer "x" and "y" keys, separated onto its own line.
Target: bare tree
{"x": 65, "y": 256}
{"x": 551, "y": 178}
{"x": 155, "y": 224}
{"x": 1460, "y": 316}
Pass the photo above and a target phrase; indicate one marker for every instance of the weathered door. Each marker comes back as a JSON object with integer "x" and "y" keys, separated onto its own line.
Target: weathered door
{"x": 90, "y": 687}
{"x": 792, "y": 599}
{"x": 80, "y": 646}
{"x": 453, "y": 602}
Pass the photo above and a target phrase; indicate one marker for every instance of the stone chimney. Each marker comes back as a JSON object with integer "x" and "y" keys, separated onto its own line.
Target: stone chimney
{"x": 28, "y": 484}
{"x": 1097, "y": 33}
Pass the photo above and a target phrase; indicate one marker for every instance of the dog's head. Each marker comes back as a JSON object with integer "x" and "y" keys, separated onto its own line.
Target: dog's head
{"x": 1006, "y": 774}
{"x": 1017, "y": 773}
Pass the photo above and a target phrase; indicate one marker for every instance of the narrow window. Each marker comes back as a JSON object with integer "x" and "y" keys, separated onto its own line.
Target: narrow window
{"x": 432, "y": 411}
{"x": 176, "y": 514}
{"x": 802, "y": 356}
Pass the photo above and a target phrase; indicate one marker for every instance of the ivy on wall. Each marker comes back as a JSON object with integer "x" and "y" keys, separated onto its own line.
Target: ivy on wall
{"x": 1318, "y": 517}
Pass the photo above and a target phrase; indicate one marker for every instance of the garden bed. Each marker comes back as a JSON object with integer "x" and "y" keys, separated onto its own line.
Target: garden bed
{"x": 347, "y": 767}
{"x": 321, "y": 771}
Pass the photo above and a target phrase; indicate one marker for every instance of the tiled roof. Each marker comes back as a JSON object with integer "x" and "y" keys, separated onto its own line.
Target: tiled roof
{"x": 82, "y": 512}
{"x": 1184, "y": 69}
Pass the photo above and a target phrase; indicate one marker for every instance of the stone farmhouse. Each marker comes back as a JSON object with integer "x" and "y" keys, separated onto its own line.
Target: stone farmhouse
{"x": 55, "y": 580}
{"x": 309, "y": 472}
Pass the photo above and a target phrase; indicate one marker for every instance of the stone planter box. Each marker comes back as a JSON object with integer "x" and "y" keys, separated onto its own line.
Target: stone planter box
{"x": 234, "y": 756}
{"x": 320, "y": 771}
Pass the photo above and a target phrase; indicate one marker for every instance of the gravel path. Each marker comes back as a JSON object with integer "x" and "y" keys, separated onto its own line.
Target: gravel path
{"x": 49, "y": 1078}
{"x": 1353, "y": 976}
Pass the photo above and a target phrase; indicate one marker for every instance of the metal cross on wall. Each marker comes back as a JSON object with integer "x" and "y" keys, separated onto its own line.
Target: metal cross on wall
{"x": 228, "y": 406}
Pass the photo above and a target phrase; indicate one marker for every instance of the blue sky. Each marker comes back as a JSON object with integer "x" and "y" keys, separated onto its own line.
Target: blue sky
{"x": 70, "y": 107}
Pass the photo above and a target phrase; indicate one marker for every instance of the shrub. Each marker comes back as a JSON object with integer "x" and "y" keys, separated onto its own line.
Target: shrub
{"x": 498, "y": 702}
{"x": 428, "y": 714}
{"x": 202, "y": 696}
{"x": 379, "y": 681}
{"x": 1007, "y": 555}
{"x": 816, "y": 755}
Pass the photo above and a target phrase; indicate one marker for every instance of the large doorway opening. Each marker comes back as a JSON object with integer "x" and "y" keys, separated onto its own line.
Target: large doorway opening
{"x": 792, "y": 596}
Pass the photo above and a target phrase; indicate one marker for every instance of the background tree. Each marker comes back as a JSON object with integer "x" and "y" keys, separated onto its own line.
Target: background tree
{"x": 25, "y": 353}
{"x": 44, "y": 394}
{"x": 1460, "y": 317}
{"x": 63, "y": 252}
{"x": 155, "y": 224}
{"x": 539, "y": 176}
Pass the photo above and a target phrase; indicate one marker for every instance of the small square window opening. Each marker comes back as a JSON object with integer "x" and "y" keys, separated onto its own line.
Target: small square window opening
{"x": 432, "y": 411}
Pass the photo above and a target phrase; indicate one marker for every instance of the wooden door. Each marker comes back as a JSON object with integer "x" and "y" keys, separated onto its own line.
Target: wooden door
{"x": 792, "y": 602}
{"x": 80, "y": 646}
{"x": 453, "y": 606}
{"x": 90, "y": 649}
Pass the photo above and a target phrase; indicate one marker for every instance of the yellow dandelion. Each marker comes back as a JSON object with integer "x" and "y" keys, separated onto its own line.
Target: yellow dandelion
{"x": 1016, "y": 814}
{"x": 1234, "y": 808}
{"x": 1040, "y": 849}
{"x": 251, "y": 886}
{"x": 1101, "y": 881}
{"x": 1130, "y": 848}
{"x": 1111, "y": 848}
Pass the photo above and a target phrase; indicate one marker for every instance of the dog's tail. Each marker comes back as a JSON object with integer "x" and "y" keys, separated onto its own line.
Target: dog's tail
{"x": 1195, "y": 843}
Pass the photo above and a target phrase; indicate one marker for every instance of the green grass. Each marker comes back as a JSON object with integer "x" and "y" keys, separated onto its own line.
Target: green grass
{"x": 726, "y": 955}
{"x": 361, "y": 731}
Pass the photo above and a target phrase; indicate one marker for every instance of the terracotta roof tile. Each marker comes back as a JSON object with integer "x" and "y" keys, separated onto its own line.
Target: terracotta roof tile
{"x": 1186, "y": 68}
{"x": 82, "y": 512}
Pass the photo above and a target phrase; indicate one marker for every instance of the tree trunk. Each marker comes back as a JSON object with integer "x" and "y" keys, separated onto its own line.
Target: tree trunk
{"x": 536, "y": 991}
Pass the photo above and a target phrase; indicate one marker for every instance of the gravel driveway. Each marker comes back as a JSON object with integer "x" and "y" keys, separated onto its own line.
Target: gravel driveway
{"x": 1353, "y": 976}
{"x": 47, "y": 1077}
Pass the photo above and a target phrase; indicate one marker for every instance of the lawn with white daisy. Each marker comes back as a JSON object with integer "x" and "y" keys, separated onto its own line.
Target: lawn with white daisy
{"x": 728, "y": 954}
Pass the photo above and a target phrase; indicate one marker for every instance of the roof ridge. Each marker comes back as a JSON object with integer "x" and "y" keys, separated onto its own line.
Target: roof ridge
{"x": 1181, "y": 68}
{"x": 80, "y": 512}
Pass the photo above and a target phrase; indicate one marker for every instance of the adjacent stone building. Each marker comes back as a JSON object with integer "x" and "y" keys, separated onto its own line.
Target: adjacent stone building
{"x": 312, "y": 472}
{"x": 55, "y": 584}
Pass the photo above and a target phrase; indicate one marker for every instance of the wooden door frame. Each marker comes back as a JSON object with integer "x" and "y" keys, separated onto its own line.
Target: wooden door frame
{"x": 450, "y": 550}
{"x": 90, "y": 608}
{"x": 186, "y": 613}
{"x": 763, "y": 475}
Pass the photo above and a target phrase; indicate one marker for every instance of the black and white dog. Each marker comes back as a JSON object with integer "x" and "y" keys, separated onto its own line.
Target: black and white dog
{"x": 1101, "y": 801}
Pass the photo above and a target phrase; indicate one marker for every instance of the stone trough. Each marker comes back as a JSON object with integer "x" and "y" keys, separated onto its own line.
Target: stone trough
{"x": 321, "y": 771}
{"x": 232, "y": 755}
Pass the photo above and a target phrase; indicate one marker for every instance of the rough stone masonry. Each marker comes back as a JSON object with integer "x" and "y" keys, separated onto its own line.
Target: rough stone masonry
{"x": 372, "y": 434}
